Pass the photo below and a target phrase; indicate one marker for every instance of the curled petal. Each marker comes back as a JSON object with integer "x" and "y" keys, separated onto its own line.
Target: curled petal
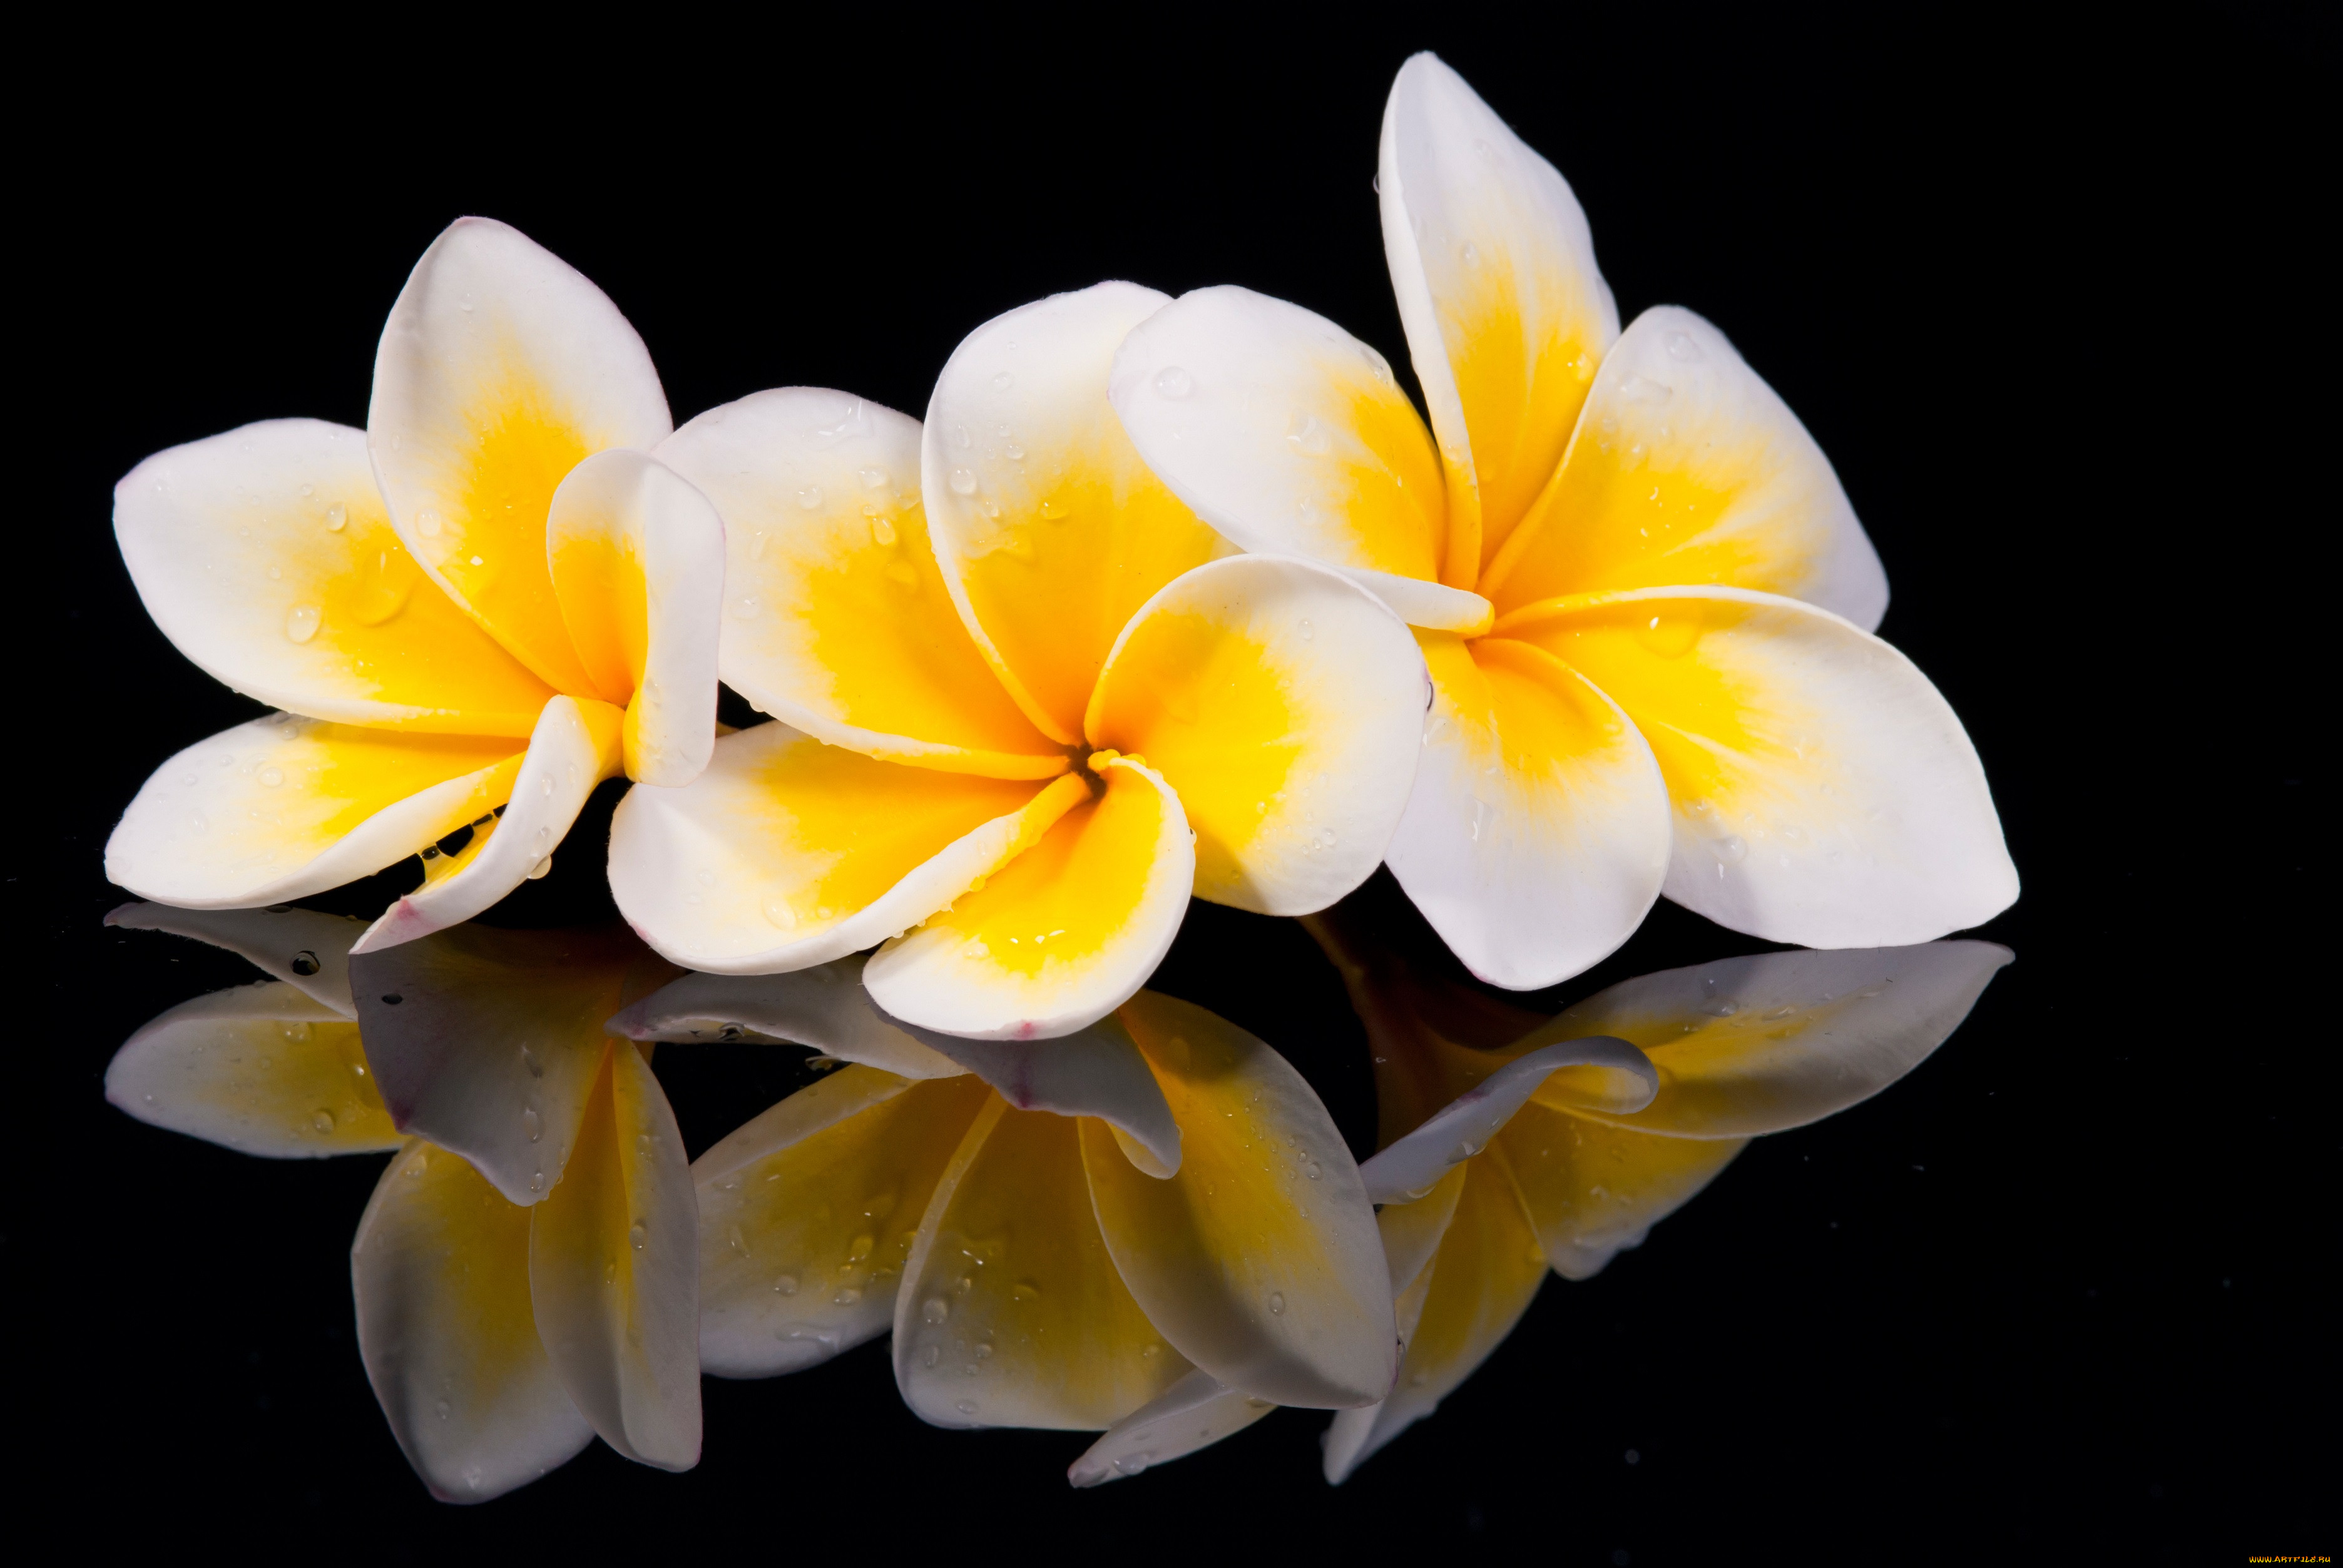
{"x": 286, "y": 807}
{"x": 1096, "y": 1071}
{"x": 266, "y": 556}
{"x": 1409, "y": 1168}
{"x": 787, "y": 853}
{"x": 825, "y": 1007}
{"x": 1481, "y": 1282}
{"x": 836, "y": 618}
{"x": 1011, "y": 1312}
{"x": 614, "y": 1270}
{"x": 638, "y": 561}
{"x": 808, "y": 1212}
{"x": 1412, "y": 1230}
{"x": 1290, "y": 435}
{"x": 306, "y": 950}
{"x": 1537, "y": 836}
{"x": 1754, "y": 1045}
{"x": 1284, "y": 705}
{"x": 500, "y": 369}
{"x": 1194, "y": 1412}
{"x": 489, "y": 1042}
{"x": 1823, "y": 792}
{"x": 576, "y": 747}
{"x": 1259, "y": 1259}
{"x": 1061, "y": 936}
{"x": 449, "y": 1334}
{"x": 1593, "y": 1190}
{"x": 261, "y": 1069}
{"x": 1687, "y": 469}
{"x": 1506, "y": 314}
{"x": 1049, "y": 527}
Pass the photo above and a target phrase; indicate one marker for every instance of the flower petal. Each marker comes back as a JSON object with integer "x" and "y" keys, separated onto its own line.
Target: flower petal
{"x": 787, "y": 853}
{"x": 489, "y": 1042}
{"x": 836, "y": 619}
{"x": 1482, "y": 1280}
{"x": 576, "y": 747}
{"x": 614, "y": 1270}
{"x": 1011, "y": 1311}
{"x": 1753, "y": 1045}
{"x": 1096, "y": 1071}
{"x": 306, "y": 950}
{"x": 1284, "y": 705}
{"x": 808, "y": 1212}
{"x": 825, "y": 1007}
{"x": 1537, "y": 836}
{"x": 1290, "y": 435}
{"x": 266, "y": 557}
{"x": 500, "y": 369}
{"x": 638, "y": 561}
{"x": 1593, "y": 1190}
{"x": 1061, "y": 936}
{"x": 1824, "y": 793}
{"x": 1410, "y": 1167}
{"x": 260, "y": 1068}
{"x": 1050, "y": 529}
{"x": 1194, "y": 1412}
{"x": 1411, "y": 1230}
{"x": 449, "y": 1334}
{"x": 1259, "y": 1260}
{"x": 283, "y": 806}
{"x": 1506, "y": 314}
{"x": 1688, "y": 468}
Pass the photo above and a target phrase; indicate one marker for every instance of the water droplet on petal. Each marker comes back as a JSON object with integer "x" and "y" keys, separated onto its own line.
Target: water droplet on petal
{"x": 301, "y": 622}
{"x": 638, "y": 1233}
{"x": 426, "y": 523}
{"x": 539, "y": 871}
{"x": 1004, "y": 380}
{"x": 935, "y": 1308}
{"x": 1173, "y": 382}
{"x": 1277, "y": 1303}
{"x": 532, "y": 1124}
{"x": 1682, "y": 349}
{"x": 322, "y": 1121}
{"x": 963, "y": 482}
{"x": 305, "y": 963}
{"x": 338, "y": 517}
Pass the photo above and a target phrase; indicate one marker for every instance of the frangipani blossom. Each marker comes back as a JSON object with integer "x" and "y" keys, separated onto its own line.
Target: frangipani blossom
{"x": 1057, "y": 1232}
{"x": 1572, "y": 1171}
{"x": 513, "y": 1302}
{"x": 1644, "y": 601}
{"x": 470, "y": 613}
{"x": 1028, "y": 702}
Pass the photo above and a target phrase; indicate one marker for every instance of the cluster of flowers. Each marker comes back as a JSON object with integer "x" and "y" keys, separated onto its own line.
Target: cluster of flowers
{"x": 1165, "y": 598}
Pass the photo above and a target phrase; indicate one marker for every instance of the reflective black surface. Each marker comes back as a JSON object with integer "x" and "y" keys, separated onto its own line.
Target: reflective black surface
{"x": 2056, "y": 1294}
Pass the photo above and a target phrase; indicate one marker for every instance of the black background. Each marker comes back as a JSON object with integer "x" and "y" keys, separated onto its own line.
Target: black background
{"x": 2047, "y": 298}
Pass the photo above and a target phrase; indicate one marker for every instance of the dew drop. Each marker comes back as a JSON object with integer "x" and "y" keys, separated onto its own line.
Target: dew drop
{"x": 963, "y": 482}
{"x": 778, "y": 912}
{"x": 787, "y": 1285}
{"x": 532, "y": 1124}
{"x": 1731, "y": 849}
{"x": 272, "y": 777}
{"x": 1004, "y": 381}
{"x": 809, "y": 498}
{"x": 539, "y": 871}
{"x": 1307, "y": 630}
{"x": 442, "y": 1409}
{"x": 847, "y": 1295}
{"x": 882, "y": 530}
{"x": 1310, "y": 436}
{"x": 301, "y": 622}
{"x": 638, "y": 1233}
{"x": 305, "y": 963}
{"x": 1173, "y": 382}
{"x": 932, "y": 1357}
{"x": 935, "y": 1308}
{"x": 1682, "y": 349}
{"x": 529, "y": 1060}
{"x": 1277, "y": 1303}
{"x": 338, "y": 517}
{"x": 322, "y": 1121}
{"x": 426, "y": 523}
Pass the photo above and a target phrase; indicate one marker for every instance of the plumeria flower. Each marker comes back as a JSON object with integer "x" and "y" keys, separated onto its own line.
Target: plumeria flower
{"x": 1495, "y": 1166}
{"x": 526, "y": 1271}
{"x": 1154, "y": 1213}
{"x": 1028, "y": 702}
{"x": 468, "y": 614}
{"x": 1645, "y": 602}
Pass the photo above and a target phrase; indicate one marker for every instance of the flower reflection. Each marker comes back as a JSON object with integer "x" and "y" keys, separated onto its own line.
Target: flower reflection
{"x": 1577, "y": 1171}
{"x": 1059, "y": 1233}
{"x": 525, "y": 1273}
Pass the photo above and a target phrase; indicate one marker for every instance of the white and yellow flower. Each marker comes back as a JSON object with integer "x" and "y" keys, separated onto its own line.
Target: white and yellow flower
{"x": 1495, "y": 1166}
{"x": 1645, "y": 599}
{"x": 1153, "y": 1214}
{"x": 471, "y": 612}
{"x": 516, "y": 1299}
{"x": 1028, "y": 701}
